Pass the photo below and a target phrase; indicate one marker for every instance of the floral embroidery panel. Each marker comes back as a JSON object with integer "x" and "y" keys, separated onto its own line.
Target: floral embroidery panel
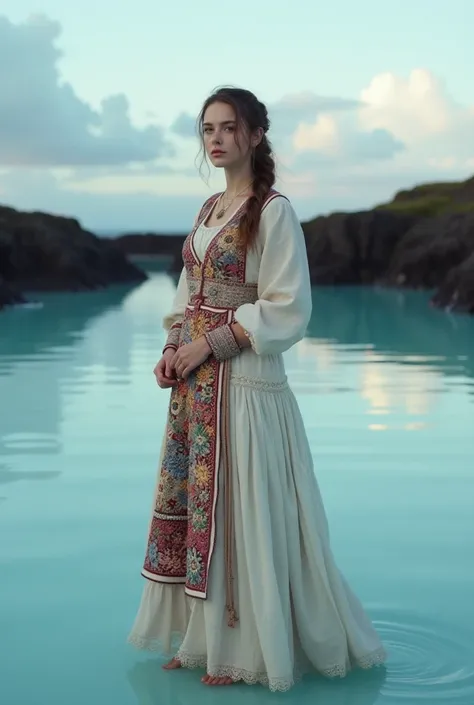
{"x": 182, "y": 532}
{"x": 180, "y": 541}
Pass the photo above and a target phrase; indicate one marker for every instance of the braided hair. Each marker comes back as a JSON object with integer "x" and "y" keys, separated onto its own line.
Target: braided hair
{"x": 252, "y": 115}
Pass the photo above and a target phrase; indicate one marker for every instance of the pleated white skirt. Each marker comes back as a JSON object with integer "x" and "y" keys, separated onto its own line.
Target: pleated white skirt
{"x": 296, "y": 612}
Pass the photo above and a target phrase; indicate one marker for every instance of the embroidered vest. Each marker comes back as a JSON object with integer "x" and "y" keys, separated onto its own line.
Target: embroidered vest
{"x": 183, "y": 529}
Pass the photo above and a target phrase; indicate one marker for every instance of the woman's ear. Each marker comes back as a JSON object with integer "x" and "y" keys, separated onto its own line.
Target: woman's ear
{"x": 257, "y": 137}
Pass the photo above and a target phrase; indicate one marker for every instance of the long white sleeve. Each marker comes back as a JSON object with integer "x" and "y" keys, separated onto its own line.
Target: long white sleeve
{"x": 178, "y": 307}
{"x": 281, "y": 314}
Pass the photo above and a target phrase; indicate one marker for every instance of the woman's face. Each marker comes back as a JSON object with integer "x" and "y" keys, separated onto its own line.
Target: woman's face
{"x": 226, "y": 143}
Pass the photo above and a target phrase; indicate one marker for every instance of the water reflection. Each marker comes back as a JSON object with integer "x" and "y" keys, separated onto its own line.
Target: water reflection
{"x": 151, "y": 686}
{"x": 56, "y": 325}
{"x": 397, "y": 346}
{"x": 77, "y": 397}
{"x": 40, "y": 353}
{"x": 8, "y": 475}
{"x": 407, "y": 365}
{"x": 392, "y": 323}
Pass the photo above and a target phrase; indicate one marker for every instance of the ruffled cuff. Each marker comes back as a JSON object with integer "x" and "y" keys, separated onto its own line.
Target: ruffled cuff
{"x": 245, "y": 317}
{"x": 223, "y": 343}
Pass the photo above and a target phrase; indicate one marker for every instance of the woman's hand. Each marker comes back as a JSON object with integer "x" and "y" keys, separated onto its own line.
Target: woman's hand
{"x": 190, "y": 356}
{"x": 164, "y": 370}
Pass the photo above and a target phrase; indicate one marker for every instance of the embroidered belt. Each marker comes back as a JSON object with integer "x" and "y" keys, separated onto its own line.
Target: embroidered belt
{"x": 220, "y": 294}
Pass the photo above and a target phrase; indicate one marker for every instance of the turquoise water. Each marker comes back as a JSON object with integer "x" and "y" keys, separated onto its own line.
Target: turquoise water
{"x": 386, "y": 386}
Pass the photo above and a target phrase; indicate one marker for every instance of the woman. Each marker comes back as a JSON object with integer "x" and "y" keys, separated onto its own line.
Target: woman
{"x": 238, "y": 563}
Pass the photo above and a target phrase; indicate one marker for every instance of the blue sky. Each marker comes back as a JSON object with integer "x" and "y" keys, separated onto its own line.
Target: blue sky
{"x": 366, "y": 98}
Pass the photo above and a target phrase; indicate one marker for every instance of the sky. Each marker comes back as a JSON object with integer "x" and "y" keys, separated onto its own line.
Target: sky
{"x": 98, "y": 101}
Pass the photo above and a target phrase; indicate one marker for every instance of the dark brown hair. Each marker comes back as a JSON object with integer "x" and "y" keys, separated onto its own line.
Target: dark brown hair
{"x": 250, "y": 114}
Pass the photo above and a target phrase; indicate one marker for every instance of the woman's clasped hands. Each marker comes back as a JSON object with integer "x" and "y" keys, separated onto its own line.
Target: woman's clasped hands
{"x": 176, "y": 365}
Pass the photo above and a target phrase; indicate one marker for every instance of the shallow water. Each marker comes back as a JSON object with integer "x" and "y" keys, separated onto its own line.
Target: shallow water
{"x": 386, "y": 387}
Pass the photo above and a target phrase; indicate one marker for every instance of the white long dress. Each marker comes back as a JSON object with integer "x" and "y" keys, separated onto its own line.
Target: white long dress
{"x": 296, "y": 611}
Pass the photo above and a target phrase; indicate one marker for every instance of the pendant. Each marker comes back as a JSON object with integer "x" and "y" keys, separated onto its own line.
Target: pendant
{"x": 220, "y": 213}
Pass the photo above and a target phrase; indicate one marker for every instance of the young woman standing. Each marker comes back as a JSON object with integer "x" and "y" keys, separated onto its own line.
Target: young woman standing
{"x": 238, "y": 562}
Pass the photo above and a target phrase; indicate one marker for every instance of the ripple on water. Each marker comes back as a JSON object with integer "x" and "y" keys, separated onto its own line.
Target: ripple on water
{"x": 427, "y": 660}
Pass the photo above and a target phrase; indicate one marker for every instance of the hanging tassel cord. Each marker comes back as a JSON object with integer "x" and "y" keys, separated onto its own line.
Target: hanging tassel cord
{"x": 229, "y": 538}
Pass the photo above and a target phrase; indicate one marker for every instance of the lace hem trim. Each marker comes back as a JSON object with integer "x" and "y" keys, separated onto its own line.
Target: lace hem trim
{"x": 376, "y": 658}
{"x": 372, "y": 660}
{"x": 237, "y": 674}
{"x": 260, "y": 385}
{"x": 166, "y": 647}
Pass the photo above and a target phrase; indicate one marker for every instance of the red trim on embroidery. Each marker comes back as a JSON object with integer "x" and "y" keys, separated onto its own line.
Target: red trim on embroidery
{"x": 183, "y": 529}
{"x": 272, "y": 194}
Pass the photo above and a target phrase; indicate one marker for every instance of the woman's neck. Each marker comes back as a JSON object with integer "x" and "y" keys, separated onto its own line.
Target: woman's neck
{"x": 238, "y": 181}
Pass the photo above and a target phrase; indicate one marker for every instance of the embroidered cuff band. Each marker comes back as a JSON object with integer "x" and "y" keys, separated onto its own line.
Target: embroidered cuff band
{"x": 223, "y": 343}
{"x": 172, "y": 340}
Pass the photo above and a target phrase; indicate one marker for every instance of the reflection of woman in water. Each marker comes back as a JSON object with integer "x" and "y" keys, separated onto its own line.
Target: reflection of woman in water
{"x": 238, "y": 562}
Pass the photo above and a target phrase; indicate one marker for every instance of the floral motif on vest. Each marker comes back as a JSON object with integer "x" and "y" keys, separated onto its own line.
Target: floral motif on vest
{"x": 182, "y": 533}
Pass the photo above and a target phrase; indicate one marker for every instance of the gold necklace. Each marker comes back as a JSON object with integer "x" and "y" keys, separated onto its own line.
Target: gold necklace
{"x": 220, "y": 214}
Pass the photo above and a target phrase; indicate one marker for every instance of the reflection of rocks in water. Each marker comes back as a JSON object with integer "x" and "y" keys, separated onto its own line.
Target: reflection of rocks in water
{"x": 151, "y": 265}
{"x": 457, "y": 290}
{"x": 22, "y": 440}
{"x": 43, "y": 252}
{"x": 62, "y": 318}
{"x": 8, "y": 476}
{"x": 147, "y": 679}
{"x": 394, "y": 322}
{"x": 37, "y": 349}
{"x": 9, "y": 295}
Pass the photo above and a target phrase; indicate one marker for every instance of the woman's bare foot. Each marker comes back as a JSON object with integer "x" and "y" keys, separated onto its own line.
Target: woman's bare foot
{"x": 215, "y": 680}
{"x": 171, "y": 665}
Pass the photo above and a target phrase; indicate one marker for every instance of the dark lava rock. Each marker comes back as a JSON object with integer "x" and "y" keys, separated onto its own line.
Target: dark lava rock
{"x": 456, "y": 293}
{"x": 431, "y": 249}
{"x": 353, "y": 248}
{"x": 150, "y": 244}
{"x": 10, "y": 295}
{"x": 45, "y": 252}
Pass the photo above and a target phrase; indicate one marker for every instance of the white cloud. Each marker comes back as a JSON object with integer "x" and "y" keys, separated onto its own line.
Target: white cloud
{"x": 333, "y": 153}
{"x": 285, "y": 114}
{"x": 295, "y": 109}
{"x": 411, "y": 108}
{"x": 419, "y": 111}
{"x": 44, "y": 122}
{"x": 334, "y": 141}
{"x": 404, "y": 130}
{"x": 323, "y": 136}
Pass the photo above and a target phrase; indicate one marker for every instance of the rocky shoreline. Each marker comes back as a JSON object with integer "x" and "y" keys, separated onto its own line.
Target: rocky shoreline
{"x": 423, "y": 239}
{"x": 43, "y": 252}
{"x": 393, "y": 250}
{"x": 154, "y": 245}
